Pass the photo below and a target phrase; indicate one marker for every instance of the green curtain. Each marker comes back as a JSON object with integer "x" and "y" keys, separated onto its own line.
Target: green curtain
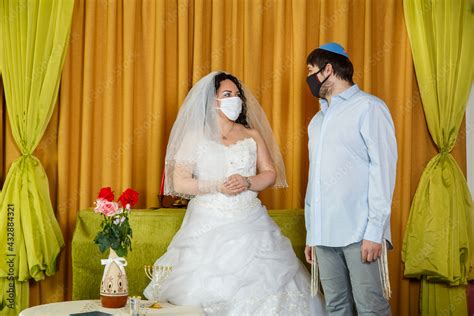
{"x": 438, "y": 243}
{"x": 34, "y": 36}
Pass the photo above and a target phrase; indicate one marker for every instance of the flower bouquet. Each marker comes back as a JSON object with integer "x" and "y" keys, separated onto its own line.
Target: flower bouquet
{"x": 116, "y": 232}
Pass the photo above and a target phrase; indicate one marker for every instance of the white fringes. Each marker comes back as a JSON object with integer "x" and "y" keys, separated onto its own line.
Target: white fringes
{"x": 384, "y": 275}
{"x": 314, "y": 273}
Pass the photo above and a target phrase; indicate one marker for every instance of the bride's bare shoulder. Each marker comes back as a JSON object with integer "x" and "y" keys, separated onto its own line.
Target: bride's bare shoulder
{"x": 255, "y": 134}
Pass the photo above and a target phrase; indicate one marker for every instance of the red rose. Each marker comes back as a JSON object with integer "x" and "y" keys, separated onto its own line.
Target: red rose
{"x": 129, "y": 196}
{"x": 106, "y": 194}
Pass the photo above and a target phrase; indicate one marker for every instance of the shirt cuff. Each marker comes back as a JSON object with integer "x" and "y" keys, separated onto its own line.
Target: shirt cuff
{"x": 373, "y": 233}
{"x": 307, "y": 217}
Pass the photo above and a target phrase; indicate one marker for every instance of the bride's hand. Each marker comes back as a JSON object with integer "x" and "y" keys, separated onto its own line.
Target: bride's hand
{"x": 236, "y": 184}
{"x": 223, "y": 190}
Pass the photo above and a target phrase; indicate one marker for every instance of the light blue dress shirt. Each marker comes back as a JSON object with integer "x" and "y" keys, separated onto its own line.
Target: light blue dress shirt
{"x": 353, "y": 157}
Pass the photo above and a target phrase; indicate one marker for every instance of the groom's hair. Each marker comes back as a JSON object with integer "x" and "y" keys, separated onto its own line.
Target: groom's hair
{"x": 343, "y": 68}
{"x": 242, "y": 119}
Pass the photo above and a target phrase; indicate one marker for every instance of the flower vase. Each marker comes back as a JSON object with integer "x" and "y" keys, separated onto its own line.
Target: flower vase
{"x": 114, "y": 285}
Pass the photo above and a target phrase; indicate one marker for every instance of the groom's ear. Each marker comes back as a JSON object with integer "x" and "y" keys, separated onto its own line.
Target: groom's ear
{"x": 328, "y": 70}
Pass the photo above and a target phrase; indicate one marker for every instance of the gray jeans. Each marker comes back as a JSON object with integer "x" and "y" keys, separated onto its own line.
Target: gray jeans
{"x": 345, "y": 279}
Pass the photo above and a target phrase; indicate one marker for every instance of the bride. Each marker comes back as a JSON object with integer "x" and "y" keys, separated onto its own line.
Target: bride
{"x": 229, "y": 256}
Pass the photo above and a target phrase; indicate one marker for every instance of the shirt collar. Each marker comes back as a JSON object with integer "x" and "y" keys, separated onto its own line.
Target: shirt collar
{"x": 344, "y": 95}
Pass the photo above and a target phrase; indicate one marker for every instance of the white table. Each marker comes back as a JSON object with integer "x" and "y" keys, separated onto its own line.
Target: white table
{"x": 71, "y": 307}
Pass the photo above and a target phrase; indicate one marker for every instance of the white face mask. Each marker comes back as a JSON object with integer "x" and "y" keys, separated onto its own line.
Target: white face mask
{"x": 231, "y": 107}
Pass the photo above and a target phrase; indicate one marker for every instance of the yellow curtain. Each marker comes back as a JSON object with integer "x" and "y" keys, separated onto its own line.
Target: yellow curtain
{"x": 131, "y": 63}
{"x": 34, "y": 40}
{"x": 438, "y": 242}
{"x": 2, "y": 134}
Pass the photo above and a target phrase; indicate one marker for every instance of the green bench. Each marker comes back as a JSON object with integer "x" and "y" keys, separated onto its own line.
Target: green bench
{"x": 152, "y": 232}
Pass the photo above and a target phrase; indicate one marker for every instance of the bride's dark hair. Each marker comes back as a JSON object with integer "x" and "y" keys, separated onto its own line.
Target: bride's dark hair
{"x": 242, "y": 119}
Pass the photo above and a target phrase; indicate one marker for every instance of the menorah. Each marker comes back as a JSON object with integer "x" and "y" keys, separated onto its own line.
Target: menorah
{"x": 157, "y": 274}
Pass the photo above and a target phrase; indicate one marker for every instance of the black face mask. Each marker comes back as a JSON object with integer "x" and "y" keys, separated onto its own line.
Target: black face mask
{"x": 314, "y": 83}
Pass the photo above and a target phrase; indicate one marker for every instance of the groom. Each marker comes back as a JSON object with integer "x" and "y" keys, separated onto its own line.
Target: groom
{"x": 353, "y": 155}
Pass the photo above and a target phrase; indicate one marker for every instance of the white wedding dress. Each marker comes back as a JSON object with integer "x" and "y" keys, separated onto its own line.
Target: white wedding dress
{"x": 229, "y": 256}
